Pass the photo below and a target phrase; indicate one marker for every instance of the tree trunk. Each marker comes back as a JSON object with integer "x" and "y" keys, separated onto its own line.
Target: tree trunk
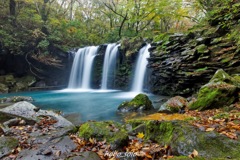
{"x": 12, "y": 8}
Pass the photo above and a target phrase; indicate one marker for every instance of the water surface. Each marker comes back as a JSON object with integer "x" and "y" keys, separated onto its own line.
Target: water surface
{"x": 88, "y": 104}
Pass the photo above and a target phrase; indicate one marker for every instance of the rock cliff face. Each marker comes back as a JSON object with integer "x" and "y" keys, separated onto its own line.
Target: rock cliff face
{"x": 50, "y": 70}
{"x": 183, "y": 63}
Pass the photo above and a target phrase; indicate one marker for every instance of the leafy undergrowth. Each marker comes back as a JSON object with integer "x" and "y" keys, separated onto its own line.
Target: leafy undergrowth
{"x": 225, "y": 121}
{"x": 136, "y": 149}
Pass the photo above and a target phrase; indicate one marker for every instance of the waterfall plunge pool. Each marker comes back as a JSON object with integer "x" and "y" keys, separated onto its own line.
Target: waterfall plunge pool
{"x": 82, "y": 105}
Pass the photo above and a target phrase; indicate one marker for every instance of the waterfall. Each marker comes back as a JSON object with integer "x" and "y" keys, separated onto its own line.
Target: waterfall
{"x": 139, "y": 73}
{"x": 109, "y": 65}
{"x": 82, "y": 66}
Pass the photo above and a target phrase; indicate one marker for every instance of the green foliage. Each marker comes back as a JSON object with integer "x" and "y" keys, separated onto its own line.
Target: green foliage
{"x": 38, "y": 24}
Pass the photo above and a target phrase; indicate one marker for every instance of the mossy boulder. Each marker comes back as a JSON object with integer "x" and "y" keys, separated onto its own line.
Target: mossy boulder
{"x": 174, "y": 104}
{"x": 141, "y": 102}
{"x": 23, "y": 83}
{"x": 184, "y": 138}
{"x": 222, "y": 76}
{"x": 113, "y": 132}
{"x": 3, "y": 88}
{"x": 9, "y": 80}
{"x": 222, "y": 90}
{"x": 214, "y": 95}
{"x": 15, "y": 99}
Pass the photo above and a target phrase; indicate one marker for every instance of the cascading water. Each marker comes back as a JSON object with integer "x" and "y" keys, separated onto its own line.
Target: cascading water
{"x": 81, "y": 69}
{"x": 140, "y": 69}
{"x": 109, "y": 65}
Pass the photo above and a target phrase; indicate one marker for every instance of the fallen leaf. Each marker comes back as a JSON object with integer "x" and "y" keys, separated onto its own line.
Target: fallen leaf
{"x": 193, "y": 154}
{"x": 92, "y": 140}
{"x": 140, "y": 135}
{"x": 210, "y": 129}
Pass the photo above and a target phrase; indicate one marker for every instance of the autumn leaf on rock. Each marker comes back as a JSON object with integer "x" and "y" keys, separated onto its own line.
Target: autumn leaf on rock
{"x": 210, "y": 129}
{"x": 193, "y": 154}
{"x": 140, "y": 135}
{"x": 92, "y": 140}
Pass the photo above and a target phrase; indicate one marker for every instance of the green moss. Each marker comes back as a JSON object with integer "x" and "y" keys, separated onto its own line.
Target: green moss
{"x": 220, "y": 91}
{"x": 214, "y": 96}
{"x": 155, "y": 130}
{"x": 201, "y": 49}
{"x": 226, "y": 60}
{"x": 141, "y": 100}
{"x": 7, "y": 144}
{"x": 184, "y": 138}
{"x": 3, "y": 88}
{"x": 221, "y": 115}
{"x": 109, "y": 130}
{"x": 202, "y": 69}
{"x": 186, "y": 158}
{"x": 131, "y": 45}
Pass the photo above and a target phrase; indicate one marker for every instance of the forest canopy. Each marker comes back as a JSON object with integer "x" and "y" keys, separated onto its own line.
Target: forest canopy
{"x": 31, "y": 26}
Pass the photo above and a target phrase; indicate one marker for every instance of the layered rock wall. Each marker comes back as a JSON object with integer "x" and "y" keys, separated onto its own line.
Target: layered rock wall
{"x": 181, "y": 65}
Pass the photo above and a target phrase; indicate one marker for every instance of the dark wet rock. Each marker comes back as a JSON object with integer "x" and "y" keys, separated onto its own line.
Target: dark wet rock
{"x": 186, "y": 62}
{"x": 3, "y": 88}
{"x": 55, "y": 149}
{"x": 7, "y": 144}
{"x": 15, "y": 99}
{"x": 222, "y": 90}
{"x": 139, "y": 103}
{"x": 88, "y": 155}
{"x": 183, "y": 138}
{"x": 74, "y": 118}
{"x": 26, "y": 111}
{"x": 15, "y": 84}
{"x": 1, "y": 131}
{"x": 113, "y": 132}
{"x": 12, "y": 122}
{"x": 174, "y": 104}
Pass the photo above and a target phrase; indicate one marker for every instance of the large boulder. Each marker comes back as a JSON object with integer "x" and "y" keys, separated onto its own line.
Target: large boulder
{"x": 140, "y": 102}
{"x": 55, "y": 148}
{"x": 184, "y": 138}
{"x": 220, "y": 91}
{"x": 174, "y": 104}
{"x": 113, "y": 132}
{"x": 29, "y": 112}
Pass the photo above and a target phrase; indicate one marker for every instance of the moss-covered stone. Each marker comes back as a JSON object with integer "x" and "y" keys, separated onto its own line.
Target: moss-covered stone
{"x": 183, "y": 138}
{"x": 10, "y": 80}
{"x": 222, "y": 76}
{"x": 174, "y": 104}
{"x": 220, "y": 91}
{"x": 201, "y": 49}
{"x": 131, "y": 45}
{"x": 3, "y": 88}
{"x": 7, "y": 144}
{"x": 23, "y": 83}
{"x": 138, "y": 103}
{"x": 15, "y": 99}
{"x": 214, "y": 95}
{"x": 113, "y": 132}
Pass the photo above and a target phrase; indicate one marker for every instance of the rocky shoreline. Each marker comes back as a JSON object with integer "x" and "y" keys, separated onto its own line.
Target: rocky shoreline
{"x": 27, "y": 132}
